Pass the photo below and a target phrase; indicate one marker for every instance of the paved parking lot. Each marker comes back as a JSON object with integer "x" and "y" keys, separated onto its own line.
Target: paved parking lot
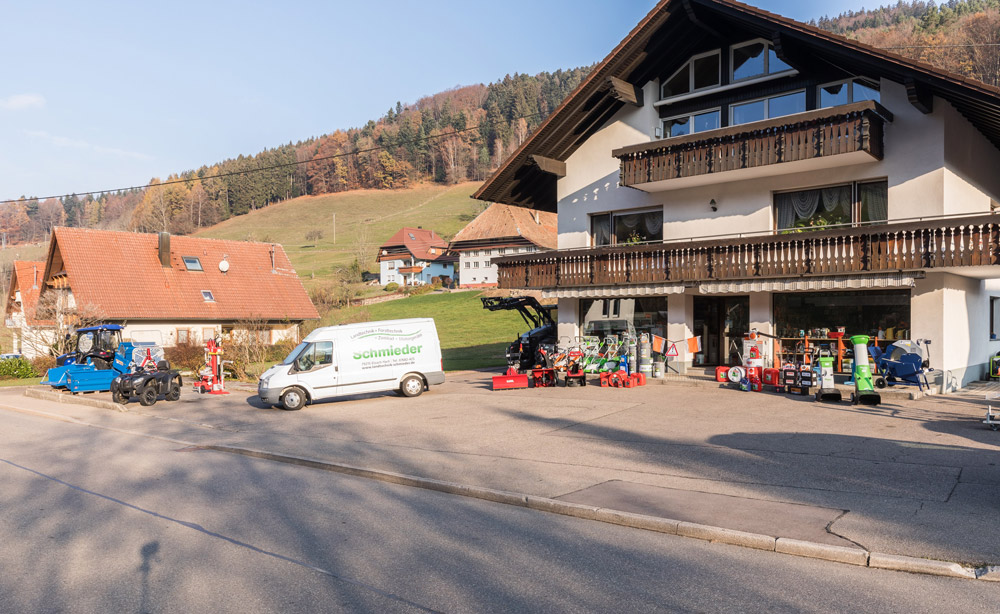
{"x": 919, "y": 478}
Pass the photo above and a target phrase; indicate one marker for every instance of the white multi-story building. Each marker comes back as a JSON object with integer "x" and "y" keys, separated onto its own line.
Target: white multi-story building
{"x": 500, "y": 230}
{"x": 725, "y": 169}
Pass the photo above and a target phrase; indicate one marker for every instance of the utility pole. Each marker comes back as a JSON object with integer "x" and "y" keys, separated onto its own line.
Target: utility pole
{"x": 335, "y": 228}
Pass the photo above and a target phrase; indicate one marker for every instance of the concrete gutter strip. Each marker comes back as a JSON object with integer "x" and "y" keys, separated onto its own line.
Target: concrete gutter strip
{"x": 837, "y": 554}
{"x": 840, "y": 554}
{"x": 66, "y": 397}
{"x": 911, "y": 564}
{"x": 726, "y": 536}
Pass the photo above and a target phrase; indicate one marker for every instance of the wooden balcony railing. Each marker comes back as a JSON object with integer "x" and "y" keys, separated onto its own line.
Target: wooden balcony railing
{"x": 955, "y": 242}
{"x": 805, "y": 136}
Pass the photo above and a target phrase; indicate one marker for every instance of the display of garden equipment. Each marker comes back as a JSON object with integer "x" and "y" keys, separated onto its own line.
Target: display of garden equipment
{"x": 211, "y": 378}
{"x": 992, "y": 420}
{"x": 995, "y": 366}
{"x": 151, "y": 376}
{"x": 522, "y": 352}
{"x": 903, "y": 362}
{"x": 823, "y": 360}
{"x": 864, "y": 390}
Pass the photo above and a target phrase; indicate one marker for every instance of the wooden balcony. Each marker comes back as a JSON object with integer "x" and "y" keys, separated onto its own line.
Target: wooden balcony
{"x": 954, "y": 242}
{"x": 815, "y": 136}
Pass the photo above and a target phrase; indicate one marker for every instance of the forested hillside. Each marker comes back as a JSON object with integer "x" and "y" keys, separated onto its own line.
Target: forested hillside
{"x": 961, "y": 36}
{"x": 450, "y": 137}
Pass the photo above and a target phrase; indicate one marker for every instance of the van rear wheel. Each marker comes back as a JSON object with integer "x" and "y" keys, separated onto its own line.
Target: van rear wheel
{"x": 411, "y": 386}
{"x": 293, "y": 399}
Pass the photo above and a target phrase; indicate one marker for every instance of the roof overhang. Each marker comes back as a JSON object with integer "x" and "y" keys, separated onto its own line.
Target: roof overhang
{"x": 673, "y": 29}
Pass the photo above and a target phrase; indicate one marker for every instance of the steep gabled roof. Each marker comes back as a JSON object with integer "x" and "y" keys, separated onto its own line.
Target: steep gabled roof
{"x": 674, "y": 29}
{"x": 419, "y": 243}
{"x": 28, "y": 278}
{"x": 120, "y": 275}
{"x": 501, "y": 221}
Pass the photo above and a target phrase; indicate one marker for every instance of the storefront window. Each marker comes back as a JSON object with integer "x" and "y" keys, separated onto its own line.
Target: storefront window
{"x": 877, "y": 313}
{"x": 615, "y": 316}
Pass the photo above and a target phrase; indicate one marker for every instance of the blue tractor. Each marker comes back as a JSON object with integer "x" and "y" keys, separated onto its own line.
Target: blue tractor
{"x": 99, "y": 356}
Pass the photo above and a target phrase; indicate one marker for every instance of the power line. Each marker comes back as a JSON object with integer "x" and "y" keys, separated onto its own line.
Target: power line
{"x": 266, "y": 168}
{"x": 943, "y": 46}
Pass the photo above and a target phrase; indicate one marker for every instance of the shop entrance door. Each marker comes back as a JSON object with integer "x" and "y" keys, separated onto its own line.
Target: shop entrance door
{"x": 721, "y": 321}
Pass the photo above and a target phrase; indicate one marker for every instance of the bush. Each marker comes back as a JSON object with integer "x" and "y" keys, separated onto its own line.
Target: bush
{"x": 185, "y": 356}
{"x": 18, "y": 368}
{"x": 314, "y": 235}
{"x": 418, "y": 290}
{"x": 43, "y": 363}
{"x": 391, "y": 287}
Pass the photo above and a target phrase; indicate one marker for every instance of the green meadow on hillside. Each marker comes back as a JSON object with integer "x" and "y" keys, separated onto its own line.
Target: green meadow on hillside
{"x": 372, "y": 214}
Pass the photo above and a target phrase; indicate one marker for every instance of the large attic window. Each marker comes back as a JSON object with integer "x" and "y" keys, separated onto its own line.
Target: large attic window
{"x": 208, "y": 296}
{"x": 755, "y": 58}
{"x": 192, "y": 263}
{"x": 701, "y": 72}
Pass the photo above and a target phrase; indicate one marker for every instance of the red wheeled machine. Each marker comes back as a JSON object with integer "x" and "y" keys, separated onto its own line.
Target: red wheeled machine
{"x": 211, "y": 376}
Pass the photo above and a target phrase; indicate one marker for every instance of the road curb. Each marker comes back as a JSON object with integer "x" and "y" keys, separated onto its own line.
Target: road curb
{"x": 767, "y": 543}
{"x": 67, "y": 397}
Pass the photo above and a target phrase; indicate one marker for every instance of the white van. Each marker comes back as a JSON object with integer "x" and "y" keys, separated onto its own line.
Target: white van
{"x": 400, "y": 355}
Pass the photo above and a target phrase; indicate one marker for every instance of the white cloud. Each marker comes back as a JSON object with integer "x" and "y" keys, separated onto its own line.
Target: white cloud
{"x": 20, "y": 102}
{"x": 62, "y": 141}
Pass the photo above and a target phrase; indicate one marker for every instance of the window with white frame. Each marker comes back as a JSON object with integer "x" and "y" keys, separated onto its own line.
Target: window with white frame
{"x": 847, "y": 91}
{"x": 700, "y": 72}
{"x": 754, "y": 58}
{"x": 692, "y": 122}
{"x": 391, "y": 265}
{"x": 766, "y": 108}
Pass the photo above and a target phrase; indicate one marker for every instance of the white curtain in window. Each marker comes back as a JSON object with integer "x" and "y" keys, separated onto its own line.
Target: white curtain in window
{"x": 875, "y": 200}
{"x": 805, "y": 203}
{"x": 837, "y": 198}
{"x": 601, "y": 228}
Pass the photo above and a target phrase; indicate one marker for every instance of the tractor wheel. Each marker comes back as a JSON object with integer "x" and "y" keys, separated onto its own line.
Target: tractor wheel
{"x": 148, "y": 394}
{"x": 174, "y": 393}
{"x": 293, "y": 399}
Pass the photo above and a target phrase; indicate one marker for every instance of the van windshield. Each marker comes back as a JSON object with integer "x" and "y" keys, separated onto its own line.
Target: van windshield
{"x": 294, "y": 354}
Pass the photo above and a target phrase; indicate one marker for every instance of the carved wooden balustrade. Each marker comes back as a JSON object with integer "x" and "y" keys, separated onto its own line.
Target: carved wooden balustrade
{"x": 954, "y": 242}
{"x": 805, "y": 136}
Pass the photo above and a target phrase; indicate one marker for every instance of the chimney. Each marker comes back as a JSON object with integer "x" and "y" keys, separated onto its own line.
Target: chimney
{"x": 165, "y": 249}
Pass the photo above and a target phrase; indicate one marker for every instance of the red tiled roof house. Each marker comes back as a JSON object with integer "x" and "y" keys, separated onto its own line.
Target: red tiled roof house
{"x": 31, "y": 336}
{"x": 174, "y": 289}
{"x": 413, "y": 256}
{"x": 500, "y": 230}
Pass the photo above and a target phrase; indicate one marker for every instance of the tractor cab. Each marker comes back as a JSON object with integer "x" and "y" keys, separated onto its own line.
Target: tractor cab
{"x": 95, "y": 345}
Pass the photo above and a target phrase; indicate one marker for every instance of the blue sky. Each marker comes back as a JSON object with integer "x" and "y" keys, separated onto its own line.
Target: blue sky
{"x": 97, "y": 95}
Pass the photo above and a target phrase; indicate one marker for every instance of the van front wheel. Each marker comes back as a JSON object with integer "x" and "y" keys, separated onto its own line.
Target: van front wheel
{"x": 293, "y": 399}
{"x": 411, "y": 386}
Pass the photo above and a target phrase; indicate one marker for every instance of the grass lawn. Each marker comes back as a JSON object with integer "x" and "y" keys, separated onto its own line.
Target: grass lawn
{"x": 28, "y": 381}
{"x": 377, "y": 213}
{"x": 471, "y": 337}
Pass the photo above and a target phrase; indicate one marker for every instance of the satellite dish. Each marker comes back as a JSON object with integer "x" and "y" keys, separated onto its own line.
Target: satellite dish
{"x": 223, "y": 265}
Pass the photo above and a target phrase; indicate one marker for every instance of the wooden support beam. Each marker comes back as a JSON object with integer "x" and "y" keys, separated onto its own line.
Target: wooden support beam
{"x": 549, "y": 165}
{"x": 919, "y": 95}
{"x": 624, "y": 91}
{"x": 689, "y": 8}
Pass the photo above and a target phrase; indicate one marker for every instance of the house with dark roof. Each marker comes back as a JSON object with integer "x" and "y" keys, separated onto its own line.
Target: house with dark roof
{"x": 726, "y": 169}
{"x": 413, "y": 256}
{"x": 497, "y": 231}
{"x": 31, "y": 336}
{"x": 171, "y": 289}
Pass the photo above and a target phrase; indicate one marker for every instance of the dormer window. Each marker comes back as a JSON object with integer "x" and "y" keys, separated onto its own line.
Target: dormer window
{"x": 755, "y": 58}
{"x": 700, "y": 72}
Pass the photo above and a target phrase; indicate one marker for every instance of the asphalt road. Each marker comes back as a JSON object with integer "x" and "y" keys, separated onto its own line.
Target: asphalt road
{"x": 98, "y": 520}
